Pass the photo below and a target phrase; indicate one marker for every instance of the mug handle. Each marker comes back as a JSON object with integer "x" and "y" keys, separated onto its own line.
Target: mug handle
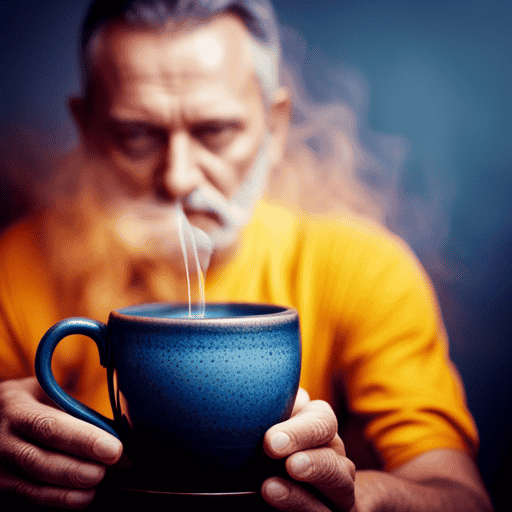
{"x": 97, "y": 331}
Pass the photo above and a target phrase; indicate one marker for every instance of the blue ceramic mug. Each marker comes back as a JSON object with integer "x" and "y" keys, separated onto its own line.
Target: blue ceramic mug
{"x": 192, "y": 397}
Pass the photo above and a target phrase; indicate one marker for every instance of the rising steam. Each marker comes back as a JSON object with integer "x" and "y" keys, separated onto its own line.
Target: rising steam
{"x": 200, "y": 244}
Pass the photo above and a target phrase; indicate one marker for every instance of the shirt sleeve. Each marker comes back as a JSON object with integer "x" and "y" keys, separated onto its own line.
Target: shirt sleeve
{"x": 26, "y": 305}
{"x": 398, "y": 372}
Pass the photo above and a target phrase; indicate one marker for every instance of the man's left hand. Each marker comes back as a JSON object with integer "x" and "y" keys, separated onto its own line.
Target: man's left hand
{"x": 445, "y": 480}
{"x": 314, "y": 454}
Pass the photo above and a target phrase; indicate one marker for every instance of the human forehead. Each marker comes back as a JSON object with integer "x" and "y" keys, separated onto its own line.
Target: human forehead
{"x": 200, "y": 66}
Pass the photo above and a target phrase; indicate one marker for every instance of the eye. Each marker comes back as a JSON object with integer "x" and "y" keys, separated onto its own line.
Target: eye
{"x": 138, "y": 141}
{"x": 216, "y": 135}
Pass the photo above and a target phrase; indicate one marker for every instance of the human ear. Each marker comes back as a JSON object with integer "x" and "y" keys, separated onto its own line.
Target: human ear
{"x": 279, "y": 123}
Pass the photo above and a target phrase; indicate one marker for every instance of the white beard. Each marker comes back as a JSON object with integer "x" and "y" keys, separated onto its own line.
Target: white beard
{"x": 109, "y": 250}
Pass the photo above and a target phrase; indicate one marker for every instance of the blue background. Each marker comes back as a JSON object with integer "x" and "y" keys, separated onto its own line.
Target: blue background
{"x": 438, "y": 72}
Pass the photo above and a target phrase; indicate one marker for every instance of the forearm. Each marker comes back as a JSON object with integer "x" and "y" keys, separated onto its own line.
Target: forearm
{"x": 377, "y": 491}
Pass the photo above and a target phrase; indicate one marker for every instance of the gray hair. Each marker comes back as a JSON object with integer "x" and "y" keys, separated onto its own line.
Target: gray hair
{"x": 258, "y": 16}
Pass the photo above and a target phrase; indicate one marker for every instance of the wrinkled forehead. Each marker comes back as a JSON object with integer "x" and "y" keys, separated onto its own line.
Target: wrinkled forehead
{"x": 179, "y": 58}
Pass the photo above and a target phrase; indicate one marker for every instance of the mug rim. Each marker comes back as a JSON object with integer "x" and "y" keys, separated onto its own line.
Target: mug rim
{"x": 284, "y": 314}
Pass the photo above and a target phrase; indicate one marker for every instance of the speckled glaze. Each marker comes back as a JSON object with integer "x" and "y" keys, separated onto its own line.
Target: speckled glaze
{"x": 194, "y": 397}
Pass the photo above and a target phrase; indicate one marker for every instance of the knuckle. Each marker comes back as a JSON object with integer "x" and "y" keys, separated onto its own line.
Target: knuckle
{"x": 334, "y": 476}
{"x": 329, "y": 471}
{"x": 316, "y": 432}
{"x": 296, "y": 502}
{"x": 13, "y": 486}
{"x": 43, "y": 427}
{"x": 338, "y": 446}
{"x": 56, "y": 468}
{"x": 73, "y": 477}
{"x": 30, "y": 494}
{"x": 327, "y": 414}
{"x": 26, "y": 456}
{"x": 22, "y": 488}
{"x": 315, "y": 425}
{"x": 351, "y": 468}
{"x": 326, "y": 471}
{"x": 321, "y": 431}
{"x": 5, "y": 397}
{"x": 322, "y": 419}
{"x": 35, "y": 424}
{"x": 5, "y": 446}
{"x": 25, "y": 492}
{"x": 69, "y": 472}
{"x": 7, "y": 411}
{"x": 345, "y": 475}
{"x": 302, "y": 501}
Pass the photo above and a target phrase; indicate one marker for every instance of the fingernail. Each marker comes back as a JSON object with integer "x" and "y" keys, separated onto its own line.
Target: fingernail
{"x": 106, "y": 448}
{"x": 279, "y": 441}
{"x": 277, "y": 491}
{"x": 89, "y": 475}
{"x": 300, "y": 465}
{"x": 78, "y": 499}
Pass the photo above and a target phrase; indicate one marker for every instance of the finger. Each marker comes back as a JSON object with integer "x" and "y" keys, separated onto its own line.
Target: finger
{"x": 287, "y": 496}
{"x": 44, "y": 495}
{"x": 301, "y": 401}
{"x": 314, "y": 425}
{"x": 330, "y": 473}
{"x": 52, "y": 467}
{"x": 57, "y": 429}
{"x": 337, "y": 445}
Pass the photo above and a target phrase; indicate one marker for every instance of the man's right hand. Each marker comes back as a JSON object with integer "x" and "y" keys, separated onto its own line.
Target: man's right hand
{"x": 47, "y": 456}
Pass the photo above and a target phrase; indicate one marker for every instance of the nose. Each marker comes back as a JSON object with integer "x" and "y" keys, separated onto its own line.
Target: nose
{"x": 179, "y": 174}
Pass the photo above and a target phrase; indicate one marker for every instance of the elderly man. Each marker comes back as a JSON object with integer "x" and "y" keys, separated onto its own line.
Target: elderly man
{"x": 181, "y": 104}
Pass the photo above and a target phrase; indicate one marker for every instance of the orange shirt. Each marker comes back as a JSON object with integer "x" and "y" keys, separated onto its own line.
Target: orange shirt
{"x": 367, "y": 310}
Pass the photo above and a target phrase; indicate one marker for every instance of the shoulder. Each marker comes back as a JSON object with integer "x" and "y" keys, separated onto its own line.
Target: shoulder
{"x": 17, "y": 238}
{"x": 21, "y": 239}
{"x": 358, "y": 242}
{"x": 349, "y": 259}
{"x": 340, "y": 227}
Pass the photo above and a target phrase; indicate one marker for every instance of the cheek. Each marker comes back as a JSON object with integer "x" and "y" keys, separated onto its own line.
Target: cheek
{"x": 245, "y": 149}
{"x": 243, "y": 153}
{"x": 219, "y": 171}
{"x": 227, "y": 170}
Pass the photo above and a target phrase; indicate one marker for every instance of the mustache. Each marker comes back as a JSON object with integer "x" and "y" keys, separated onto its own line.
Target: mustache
{"x": 208, "y": 202}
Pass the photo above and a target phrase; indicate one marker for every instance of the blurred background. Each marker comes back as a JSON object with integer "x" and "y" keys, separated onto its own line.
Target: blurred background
{"x": 437, "y": 74}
